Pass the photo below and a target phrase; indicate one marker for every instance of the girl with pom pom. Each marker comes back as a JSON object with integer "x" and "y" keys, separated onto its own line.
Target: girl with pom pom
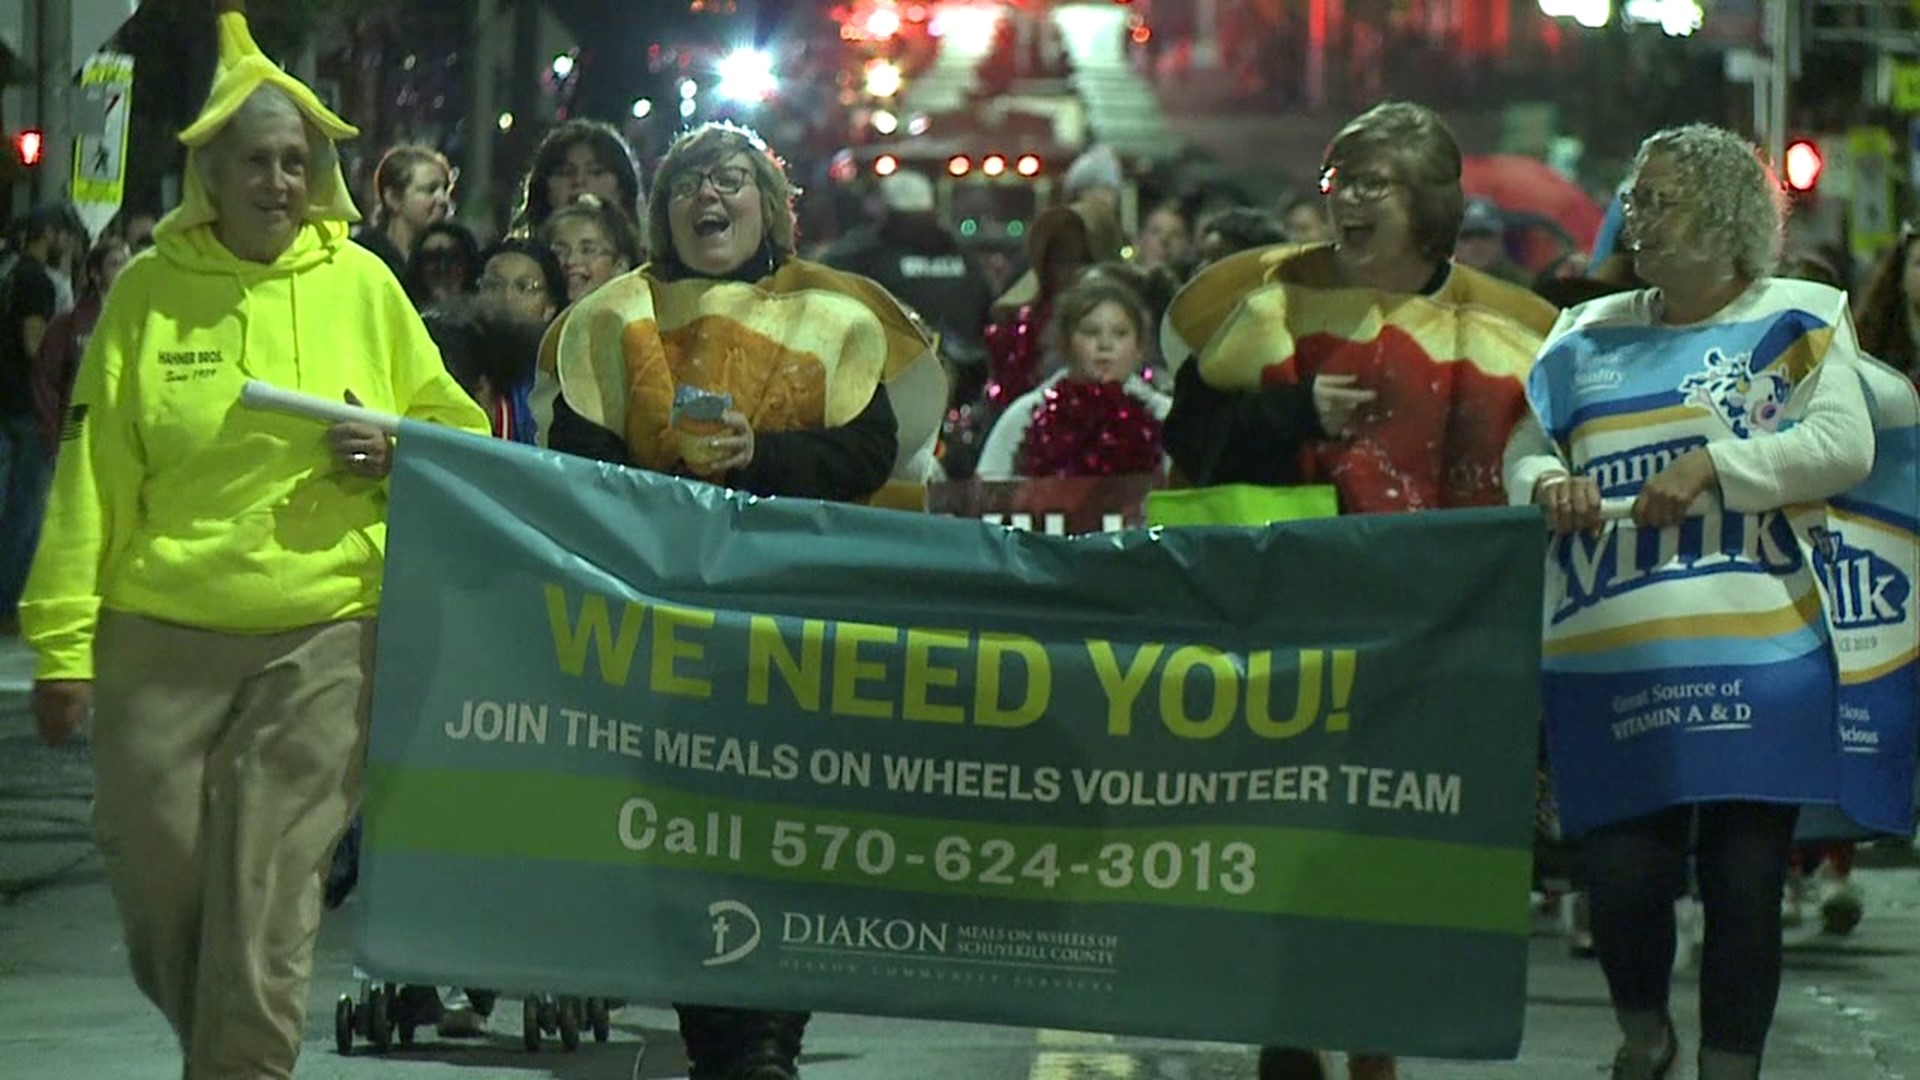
{"x": 1095, "y": 416}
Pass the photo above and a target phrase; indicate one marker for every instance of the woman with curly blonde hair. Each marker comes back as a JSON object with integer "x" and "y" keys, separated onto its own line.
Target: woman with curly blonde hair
{"x": 1681, "y": 678}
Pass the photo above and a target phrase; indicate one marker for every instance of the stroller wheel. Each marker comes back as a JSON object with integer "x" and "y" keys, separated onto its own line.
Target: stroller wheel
{"x": 343, "y": 1024}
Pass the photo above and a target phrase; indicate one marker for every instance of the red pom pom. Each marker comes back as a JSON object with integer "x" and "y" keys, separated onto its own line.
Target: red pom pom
{"x": 1013, "y": 359}
{"x": 1089, "y": 429}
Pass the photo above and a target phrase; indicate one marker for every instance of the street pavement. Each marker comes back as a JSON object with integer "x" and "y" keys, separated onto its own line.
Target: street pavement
{"x": 68, "y": 1009}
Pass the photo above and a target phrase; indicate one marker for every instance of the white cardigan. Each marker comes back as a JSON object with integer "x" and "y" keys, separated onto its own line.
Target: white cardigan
{"x": 1827, "y": 451}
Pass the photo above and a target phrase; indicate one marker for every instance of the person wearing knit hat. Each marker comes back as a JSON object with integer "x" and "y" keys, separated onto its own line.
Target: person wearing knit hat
{"x": 1095, "y": 174}
{"x": 209, "y": 573}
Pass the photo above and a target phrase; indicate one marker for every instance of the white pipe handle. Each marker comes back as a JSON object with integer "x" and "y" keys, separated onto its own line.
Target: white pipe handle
{"x": 258, "y": 395}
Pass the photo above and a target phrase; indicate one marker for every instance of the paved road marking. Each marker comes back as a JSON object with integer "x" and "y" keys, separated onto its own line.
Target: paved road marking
{"x": 1080, "y": 1055}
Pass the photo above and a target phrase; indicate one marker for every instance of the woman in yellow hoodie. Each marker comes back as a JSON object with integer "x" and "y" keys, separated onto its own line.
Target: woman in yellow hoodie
{"x": 208, "y": 574}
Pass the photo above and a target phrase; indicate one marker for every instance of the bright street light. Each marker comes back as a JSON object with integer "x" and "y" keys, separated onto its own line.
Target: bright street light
{"x": 885, "y": 122}
{"x": 968, "y": 29}
{"x": 688, "y": 108}
{"x": 746, "y": 75}
{"x": 505, "y": 122}
{"x": 689, "y": 89}
{"x": 1591, "y": 14}
{"x": 1676, "y": 18}
{"x": 883, "y": 23}
{"x": 563, "y": 65}
{"x": 642, "y": 108}
{"x": 884, "y": 79}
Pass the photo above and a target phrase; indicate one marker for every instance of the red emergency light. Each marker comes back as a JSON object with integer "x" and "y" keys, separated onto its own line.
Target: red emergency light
{"x": 1804, "y": 165}
{"x": 30, "y": 145}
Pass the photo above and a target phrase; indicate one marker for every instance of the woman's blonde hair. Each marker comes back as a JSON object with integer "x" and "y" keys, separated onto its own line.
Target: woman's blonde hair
{"x": 1739, "y": 208}
{"x": 395, "y": 173}
{"x": 707, "y": 146}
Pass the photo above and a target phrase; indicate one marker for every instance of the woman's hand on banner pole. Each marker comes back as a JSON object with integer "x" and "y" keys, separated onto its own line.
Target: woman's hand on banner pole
{"x": 1667, "y": 498}
{"x": 360, "y": 448}
{"x": 1572, "y": 503}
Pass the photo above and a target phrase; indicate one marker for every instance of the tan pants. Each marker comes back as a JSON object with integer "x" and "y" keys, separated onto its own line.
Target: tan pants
{"x": 226, "y": 767}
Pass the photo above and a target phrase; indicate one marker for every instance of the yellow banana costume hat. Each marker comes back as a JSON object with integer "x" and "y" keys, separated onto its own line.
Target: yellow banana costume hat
{"x": 242, "y": 69}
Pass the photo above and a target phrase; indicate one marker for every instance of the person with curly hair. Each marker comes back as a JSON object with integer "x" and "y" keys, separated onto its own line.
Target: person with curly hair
{"x": 1713, "y": 399}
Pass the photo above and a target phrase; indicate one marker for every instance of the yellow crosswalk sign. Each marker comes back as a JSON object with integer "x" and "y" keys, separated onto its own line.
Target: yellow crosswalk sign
{"x": 100, "y": 144}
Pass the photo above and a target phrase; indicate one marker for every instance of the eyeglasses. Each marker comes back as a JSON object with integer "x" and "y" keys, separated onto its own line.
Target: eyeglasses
{"x": 726, "y": 180}
{"x": 1649, "y": 202}
{"x": 1366, "y": 187}
{"x": 522, "y": 286}
{"x": 587, "y": 250}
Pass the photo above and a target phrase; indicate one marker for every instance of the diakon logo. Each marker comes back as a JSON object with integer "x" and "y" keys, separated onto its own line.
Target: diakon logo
{"x": 736, "y": 932}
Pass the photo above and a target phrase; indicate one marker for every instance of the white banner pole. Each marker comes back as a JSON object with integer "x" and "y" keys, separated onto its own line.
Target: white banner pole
{"x": 258, "y": 395}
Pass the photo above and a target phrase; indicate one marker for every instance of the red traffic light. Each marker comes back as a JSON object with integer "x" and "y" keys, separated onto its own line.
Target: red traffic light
{"x": 29, "y": 145}
{"x": 1804, "y": 165}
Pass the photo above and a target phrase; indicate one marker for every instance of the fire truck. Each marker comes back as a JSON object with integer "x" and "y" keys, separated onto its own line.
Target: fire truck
{"x": 990, "y": 180}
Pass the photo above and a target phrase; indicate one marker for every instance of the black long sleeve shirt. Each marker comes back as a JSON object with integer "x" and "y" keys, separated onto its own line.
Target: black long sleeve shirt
{"x": 843, "y": 464}
{"x": 1239, "y": 437}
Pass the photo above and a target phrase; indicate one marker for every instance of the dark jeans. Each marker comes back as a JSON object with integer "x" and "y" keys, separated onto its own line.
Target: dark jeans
{"x": 25, "y": 471}
{"x": 727, "y": 1044}
{"x": 1634, "y": 872}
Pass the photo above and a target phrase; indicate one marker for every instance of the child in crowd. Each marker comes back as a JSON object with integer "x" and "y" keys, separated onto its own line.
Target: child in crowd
{"x": 491, "y": 353}
{"x": 1095, "y": 416}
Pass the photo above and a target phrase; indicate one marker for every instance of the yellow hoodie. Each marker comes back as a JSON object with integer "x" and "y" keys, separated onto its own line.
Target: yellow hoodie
{"x": 172, "y": 500}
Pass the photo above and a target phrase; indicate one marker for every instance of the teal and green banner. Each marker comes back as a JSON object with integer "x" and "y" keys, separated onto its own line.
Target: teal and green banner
{"x": 645, "y": 738}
